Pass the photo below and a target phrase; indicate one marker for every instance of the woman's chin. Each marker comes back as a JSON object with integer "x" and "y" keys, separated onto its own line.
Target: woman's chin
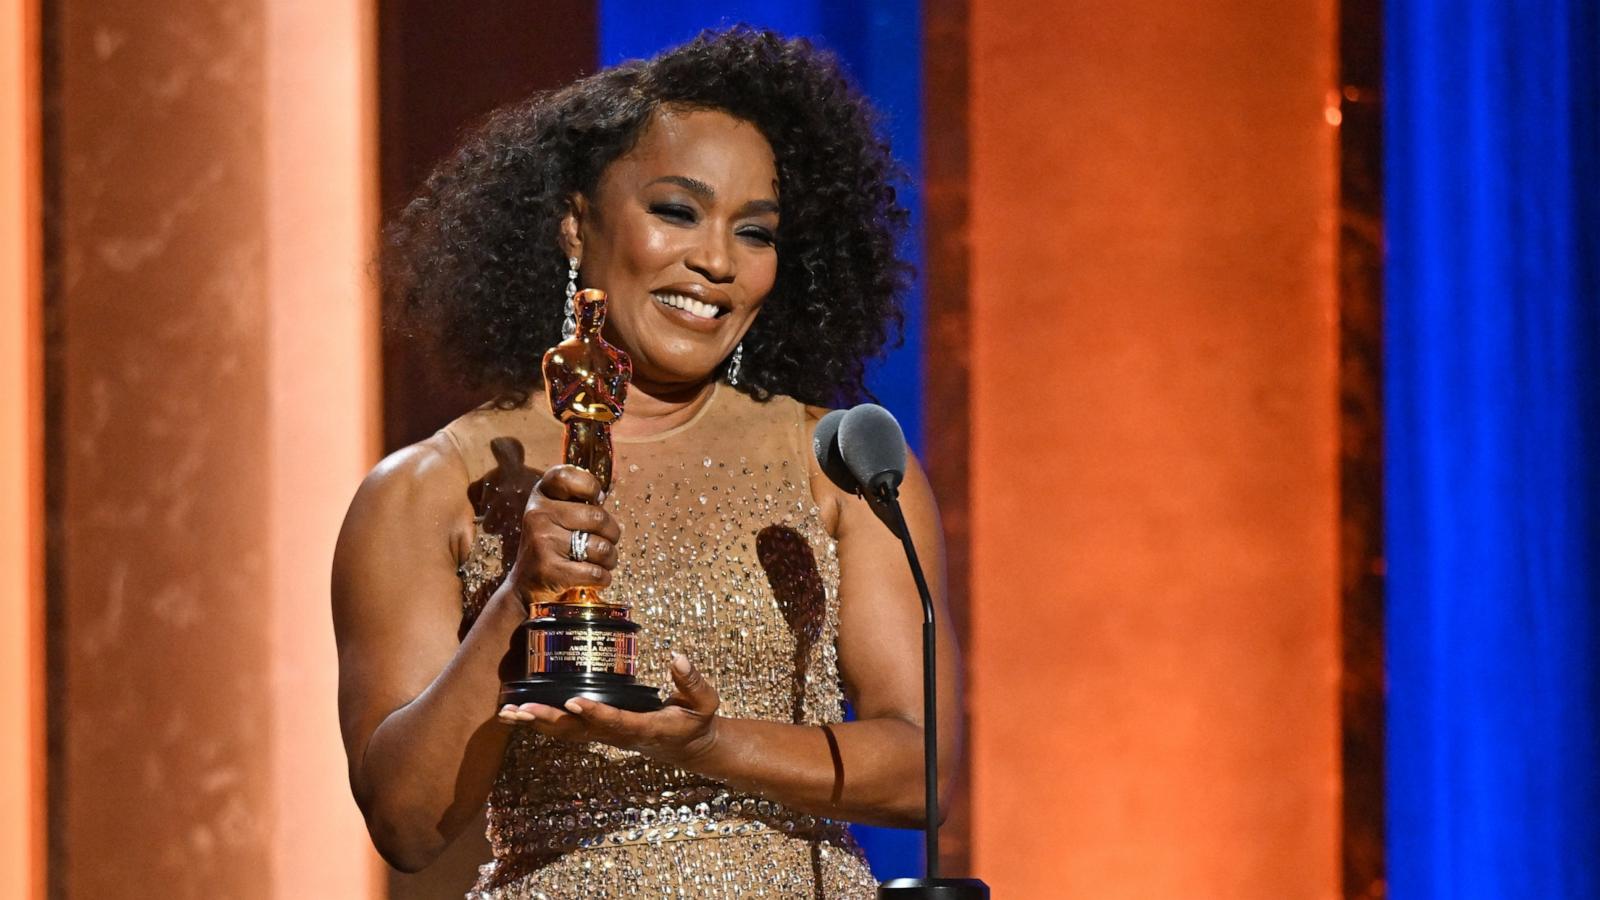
{"x": 672, "y": 353}
{"x": 674, "y": 362}
{"x": 675, "y": 376}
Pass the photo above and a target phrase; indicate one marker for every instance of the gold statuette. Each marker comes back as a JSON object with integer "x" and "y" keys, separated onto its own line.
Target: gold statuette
{"x": 580, "y": 644}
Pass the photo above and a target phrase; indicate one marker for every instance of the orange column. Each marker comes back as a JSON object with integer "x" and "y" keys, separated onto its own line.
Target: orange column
{"x": 322, "y": 362}
{"x": 161, "y": 695}
{"x": 1154, "y": 581}
{"x": 21, "y": 461}
{"x": 215, "y": 369}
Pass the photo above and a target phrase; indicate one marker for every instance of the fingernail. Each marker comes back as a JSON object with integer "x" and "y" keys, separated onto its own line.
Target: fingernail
{"x": 680, "y": 662}
{"x": 574, "y": 706}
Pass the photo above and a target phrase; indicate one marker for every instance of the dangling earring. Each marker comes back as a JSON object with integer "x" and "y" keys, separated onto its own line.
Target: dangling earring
{"x": 734, "y": 364}
{"x": 569, "y": 321}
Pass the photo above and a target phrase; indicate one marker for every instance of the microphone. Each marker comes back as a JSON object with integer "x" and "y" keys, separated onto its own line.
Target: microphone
{"x": 863, "y": 451}
{"x": 825, "y": 446}
{"x": 873, "y": 448}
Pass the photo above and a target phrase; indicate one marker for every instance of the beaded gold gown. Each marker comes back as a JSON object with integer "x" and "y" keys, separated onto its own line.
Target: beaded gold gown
{"x": 724, "y": 557}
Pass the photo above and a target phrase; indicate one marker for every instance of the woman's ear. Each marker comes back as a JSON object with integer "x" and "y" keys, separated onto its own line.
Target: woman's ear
{"x": 572, "y": 226}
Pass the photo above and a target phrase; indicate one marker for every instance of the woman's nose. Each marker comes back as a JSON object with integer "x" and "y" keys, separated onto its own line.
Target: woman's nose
{"x": 712, "y": 257}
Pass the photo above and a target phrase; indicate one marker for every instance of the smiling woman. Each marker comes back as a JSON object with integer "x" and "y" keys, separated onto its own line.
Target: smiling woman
{"x": 476, "y": 260}
{"x": 732, "y": 199}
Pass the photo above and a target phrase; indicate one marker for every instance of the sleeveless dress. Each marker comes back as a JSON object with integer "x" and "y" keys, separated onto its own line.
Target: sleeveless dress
{"x": 724, "y": 557}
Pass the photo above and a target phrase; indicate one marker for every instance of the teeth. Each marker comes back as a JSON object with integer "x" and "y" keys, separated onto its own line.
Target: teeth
{"x": 689, "y": 305}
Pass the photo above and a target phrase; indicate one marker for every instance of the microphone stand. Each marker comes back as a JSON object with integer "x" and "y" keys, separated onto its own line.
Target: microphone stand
{"x": 884, "y": 495}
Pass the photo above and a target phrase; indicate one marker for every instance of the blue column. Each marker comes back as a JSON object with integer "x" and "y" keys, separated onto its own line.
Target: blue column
{"x": 1493, "y": 445}
{"x": 880, "y": 42}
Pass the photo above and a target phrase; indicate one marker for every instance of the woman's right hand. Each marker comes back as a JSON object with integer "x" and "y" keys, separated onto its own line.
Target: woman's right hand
{"x": 566, "y": 499}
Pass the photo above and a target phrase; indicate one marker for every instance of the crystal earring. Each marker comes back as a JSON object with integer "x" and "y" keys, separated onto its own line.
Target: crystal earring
{"x": 569, "y": 321}
{"x": 735, "y": 363}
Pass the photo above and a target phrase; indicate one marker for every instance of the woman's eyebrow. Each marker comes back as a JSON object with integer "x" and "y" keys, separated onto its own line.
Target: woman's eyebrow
{"x": 692, "y": 185}
{"x": 759, "y": 206}
{"x": 707, "y": 193}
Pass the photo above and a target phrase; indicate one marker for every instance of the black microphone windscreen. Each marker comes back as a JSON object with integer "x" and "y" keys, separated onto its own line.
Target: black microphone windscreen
{"x": 825, "y": 444}
{"x": 873, "y": 446}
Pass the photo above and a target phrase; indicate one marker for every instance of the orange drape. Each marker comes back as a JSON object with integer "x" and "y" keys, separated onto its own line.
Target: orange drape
{"x": 1154, "y": 643}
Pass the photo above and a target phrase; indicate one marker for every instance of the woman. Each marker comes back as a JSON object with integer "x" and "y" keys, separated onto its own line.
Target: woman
{"x": 731, "y": 198}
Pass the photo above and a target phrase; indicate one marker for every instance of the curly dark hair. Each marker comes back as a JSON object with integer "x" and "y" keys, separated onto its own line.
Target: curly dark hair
{"x": 473, "y": 262}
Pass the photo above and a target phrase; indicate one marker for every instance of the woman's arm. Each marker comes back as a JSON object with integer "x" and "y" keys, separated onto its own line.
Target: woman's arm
{"x": 869, "y": 770}
{"x": 416, "y": 707}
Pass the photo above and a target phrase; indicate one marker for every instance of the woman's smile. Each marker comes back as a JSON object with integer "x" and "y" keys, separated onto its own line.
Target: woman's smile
{"x": 693, "y": 306}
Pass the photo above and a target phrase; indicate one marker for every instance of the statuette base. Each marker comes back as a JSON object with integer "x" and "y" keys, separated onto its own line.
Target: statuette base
{"x": 620, "y": 691}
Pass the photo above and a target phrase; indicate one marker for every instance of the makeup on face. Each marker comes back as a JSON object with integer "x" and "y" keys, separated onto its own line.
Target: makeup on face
{"x": 681, "y": 234}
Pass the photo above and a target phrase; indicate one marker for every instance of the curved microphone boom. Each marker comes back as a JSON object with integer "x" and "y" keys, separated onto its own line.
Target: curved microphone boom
{"x": 864, "y": 451}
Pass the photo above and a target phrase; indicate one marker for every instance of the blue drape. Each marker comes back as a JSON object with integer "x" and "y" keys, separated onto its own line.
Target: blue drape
{"x": 880, "y": 42}
{"x": 1493, "y": 444}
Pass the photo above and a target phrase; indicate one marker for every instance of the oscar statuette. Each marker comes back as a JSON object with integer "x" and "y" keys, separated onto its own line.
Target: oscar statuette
{"x": 581, "y": 644}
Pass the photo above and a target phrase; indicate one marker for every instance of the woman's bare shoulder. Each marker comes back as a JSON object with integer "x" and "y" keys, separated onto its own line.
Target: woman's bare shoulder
{"x": 430, "y": 469}
{"x": 416, "y": 493}
{"x": 814, "y": 414}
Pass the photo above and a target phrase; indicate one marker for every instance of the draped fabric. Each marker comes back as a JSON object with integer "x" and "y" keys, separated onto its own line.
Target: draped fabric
{"x": 1493, "y": 448}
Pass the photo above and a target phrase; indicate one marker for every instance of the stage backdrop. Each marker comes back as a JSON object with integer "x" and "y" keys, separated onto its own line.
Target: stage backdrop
{"x": 1493, "y": 354}
{"x": 1154, "y": 442}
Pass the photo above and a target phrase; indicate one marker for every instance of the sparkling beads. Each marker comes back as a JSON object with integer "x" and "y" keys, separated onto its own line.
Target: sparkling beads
{"x": 724, "y": 558}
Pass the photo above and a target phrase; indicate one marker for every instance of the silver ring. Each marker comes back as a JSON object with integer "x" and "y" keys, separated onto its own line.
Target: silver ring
{"x": 579, "y": 548}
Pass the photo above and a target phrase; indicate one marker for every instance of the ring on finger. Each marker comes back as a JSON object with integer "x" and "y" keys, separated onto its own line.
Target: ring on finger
{"x": 579, "y": 548}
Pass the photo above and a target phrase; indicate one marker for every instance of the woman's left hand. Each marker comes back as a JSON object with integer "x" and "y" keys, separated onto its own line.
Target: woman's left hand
{"x": 682, "y": 731}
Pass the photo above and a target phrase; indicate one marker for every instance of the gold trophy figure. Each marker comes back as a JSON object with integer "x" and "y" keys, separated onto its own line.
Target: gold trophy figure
{"x": 580, "y": 644}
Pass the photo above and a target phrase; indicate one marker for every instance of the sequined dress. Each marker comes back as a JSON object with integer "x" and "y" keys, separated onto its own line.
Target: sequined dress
{"x": 724, "y": 557}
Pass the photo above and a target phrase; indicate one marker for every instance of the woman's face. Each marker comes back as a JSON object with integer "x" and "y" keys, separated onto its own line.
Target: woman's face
{"x": 680, "y": 234}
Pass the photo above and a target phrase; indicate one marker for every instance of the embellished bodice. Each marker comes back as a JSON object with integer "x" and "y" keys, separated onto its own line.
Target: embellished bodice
{"x": 724, "y": 557}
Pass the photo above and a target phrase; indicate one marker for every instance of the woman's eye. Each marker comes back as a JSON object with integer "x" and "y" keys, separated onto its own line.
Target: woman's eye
{"x": 673, "y": 212}
{"x": 759, "y": 235}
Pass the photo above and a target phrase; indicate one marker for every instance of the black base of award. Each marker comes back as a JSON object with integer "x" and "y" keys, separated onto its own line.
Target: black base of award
{"x": 933, "y": 889}
{"x": 620, "y": 691}
{"x": 579, "y": 651}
